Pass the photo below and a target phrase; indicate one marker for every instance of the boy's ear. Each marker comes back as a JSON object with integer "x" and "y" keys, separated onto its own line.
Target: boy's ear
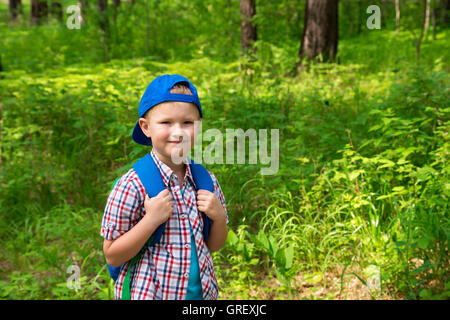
{"x": 143, "y": 123}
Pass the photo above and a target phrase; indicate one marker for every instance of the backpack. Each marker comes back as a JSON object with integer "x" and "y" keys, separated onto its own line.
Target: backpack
{"x": 150, "y": 177}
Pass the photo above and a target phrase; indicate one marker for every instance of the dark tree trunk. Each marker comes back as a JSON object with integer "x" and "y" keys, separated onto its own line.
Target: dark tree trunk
{"x": 445, "y": 9}
{"x": 102, "y": 6}
{"x": 433, "y": 19}
{"x": 359, "y": 22}
{"x": 248, "y": 28}
{"x": 104, "y": 25}
{"x": 39, "y": 11}
{"x": 320, "y": 32}
{"x": 15, "y": 8}
{"x": 383, "y": 8}
{"x": 116, "y": 7}
{"x": 56, "y": 10}
{"x": 422, "y": 29}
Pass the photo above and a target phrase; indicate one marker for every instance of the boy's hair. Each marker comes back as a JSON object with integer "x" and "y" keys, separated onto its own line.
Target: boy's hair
{"x": 180, "y": 87}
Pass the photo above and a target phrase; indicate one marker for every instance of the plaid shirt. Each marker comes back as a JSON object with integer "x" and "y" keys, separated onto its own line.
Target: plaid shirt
{"x": 163, "y": 270}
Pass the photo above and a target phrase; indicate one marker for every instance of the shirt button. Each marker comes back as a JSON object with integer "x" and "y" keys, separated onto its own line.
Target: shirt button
{"x": 186, "y": 275}
{"x": 186, "y": 245}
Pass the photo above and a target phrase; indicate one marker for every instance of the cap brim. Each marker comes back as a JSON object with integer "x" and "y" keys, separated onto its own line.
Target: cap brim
{"x": 139, "y": 136}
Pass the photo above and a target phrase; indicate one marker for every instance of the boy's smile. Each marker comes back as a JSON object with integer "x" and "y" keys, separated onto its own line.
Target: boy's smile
{"x": 170, "y": 125}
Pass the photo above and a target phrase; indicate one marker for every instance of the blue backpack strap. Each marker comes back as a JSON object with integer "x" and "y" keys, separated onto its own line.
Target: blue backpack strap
{"x": 203, "y": 181}
{"x": 114, "y": 271}
{"x": 153, "y": 183}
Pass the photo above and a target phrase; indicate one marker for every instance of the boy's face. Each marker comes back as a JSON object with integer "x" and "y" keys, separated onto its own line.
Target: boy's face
{"x": 170, "y": 125}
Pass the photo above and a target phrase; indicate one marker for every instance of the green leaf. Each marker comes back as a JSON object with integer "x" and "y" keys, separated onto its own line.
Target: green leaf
{"x": 273, "y": 246}
{"x": 423, "y": 243}
{"x": 280, "y": 258}
{"x": 425, "y": 294}
{"x": 314, "y": 278}
{"x": 289, "y": 253}
{"x": 232, "y": 238}
{"x": 262, "y": 238}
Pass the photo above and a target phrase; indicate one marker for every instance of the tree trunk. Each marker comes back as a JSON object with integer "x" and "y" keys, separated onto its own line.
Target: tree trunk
{"x": 102, "y": 6}
{"x": 56, "y": 10}
{"x": 445, "y": 8}
{"x": 422, "y": 27}
{"x": 320, "y": 32}
{"x": 350, "y": 17}
{"x": 433, "y": 19}
{"x": 397, "y": 16}
{"x": 383, "y": 13}
{"x": 15, "y": 8}
{"x": 116, "y": 7}
{"x": 116, "y": 29}
{"x": 248, "y": 28}
{"x": 39, "y": 11}
{"x": 427, "y": 18}
{"x": 360, "y": 14}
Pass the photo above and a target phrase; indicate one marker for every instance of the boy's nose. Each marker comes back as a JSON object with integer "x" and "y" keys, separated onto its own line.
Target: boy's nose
{"x": 178, "y": 133}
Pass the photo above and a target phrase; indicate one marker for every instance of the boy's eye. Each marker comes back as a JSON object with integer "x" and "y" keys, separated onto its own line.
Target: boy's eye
{"x": 168, "y": 122}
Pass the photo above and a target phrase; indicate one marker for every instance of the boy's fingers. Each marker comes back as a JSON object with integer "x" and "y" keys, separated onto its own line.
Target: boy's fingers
{"x": 204, "y": 196}
{"x": 163, "y": 193}
{"x": 202, "y": 191}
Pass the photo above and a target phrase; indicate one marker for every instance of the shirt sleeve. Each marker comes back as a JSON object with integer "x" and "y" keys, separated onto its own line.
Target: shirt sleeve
{"x": 121, "y": 211}
{"x": 218, "y": 192}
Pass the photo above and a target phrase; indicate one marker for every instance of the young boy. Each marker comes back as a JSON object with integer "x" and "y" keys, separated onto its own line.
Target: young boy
{"x": 179, "y": 266}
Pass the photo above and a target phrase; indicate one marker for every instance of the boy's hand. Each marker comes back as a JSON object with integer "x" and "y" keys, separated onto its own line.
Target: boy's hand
{"x": 208, "y": 203}
{"x": 159, "y": 208}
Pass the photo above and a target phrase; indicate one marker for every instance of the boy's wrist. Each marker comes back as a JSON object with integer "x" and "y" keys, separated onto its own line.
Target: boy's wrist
{"x": 151, "y": 224}
{"x": 220, "y": 219}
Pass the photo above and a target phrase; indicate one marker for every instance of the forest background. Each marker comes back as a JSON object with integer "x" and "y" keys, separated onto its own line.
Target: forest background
{"x": 359, "y": 206}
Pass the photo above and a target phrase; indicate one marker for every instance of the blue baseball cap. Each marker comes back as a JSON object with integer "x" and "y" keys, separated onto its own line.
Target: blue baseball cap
{"x": 158, "y": 91}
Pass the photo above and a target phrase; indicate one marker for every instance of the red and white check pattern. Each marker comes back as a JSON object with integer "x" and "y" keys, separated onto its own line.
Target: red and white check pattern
{"x": 163, "y": 270}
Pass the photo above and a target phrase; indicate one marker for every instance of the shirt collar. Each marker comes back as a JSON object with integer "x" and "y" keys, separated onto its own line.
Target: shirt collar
{"x": 167, "y": 172}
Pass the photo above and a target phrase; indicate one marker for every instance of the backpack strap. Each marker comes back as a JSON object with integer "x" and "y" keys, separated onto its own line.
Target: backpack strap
{"x": 153, "y": 183}
{"x": 203, "y": 181}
